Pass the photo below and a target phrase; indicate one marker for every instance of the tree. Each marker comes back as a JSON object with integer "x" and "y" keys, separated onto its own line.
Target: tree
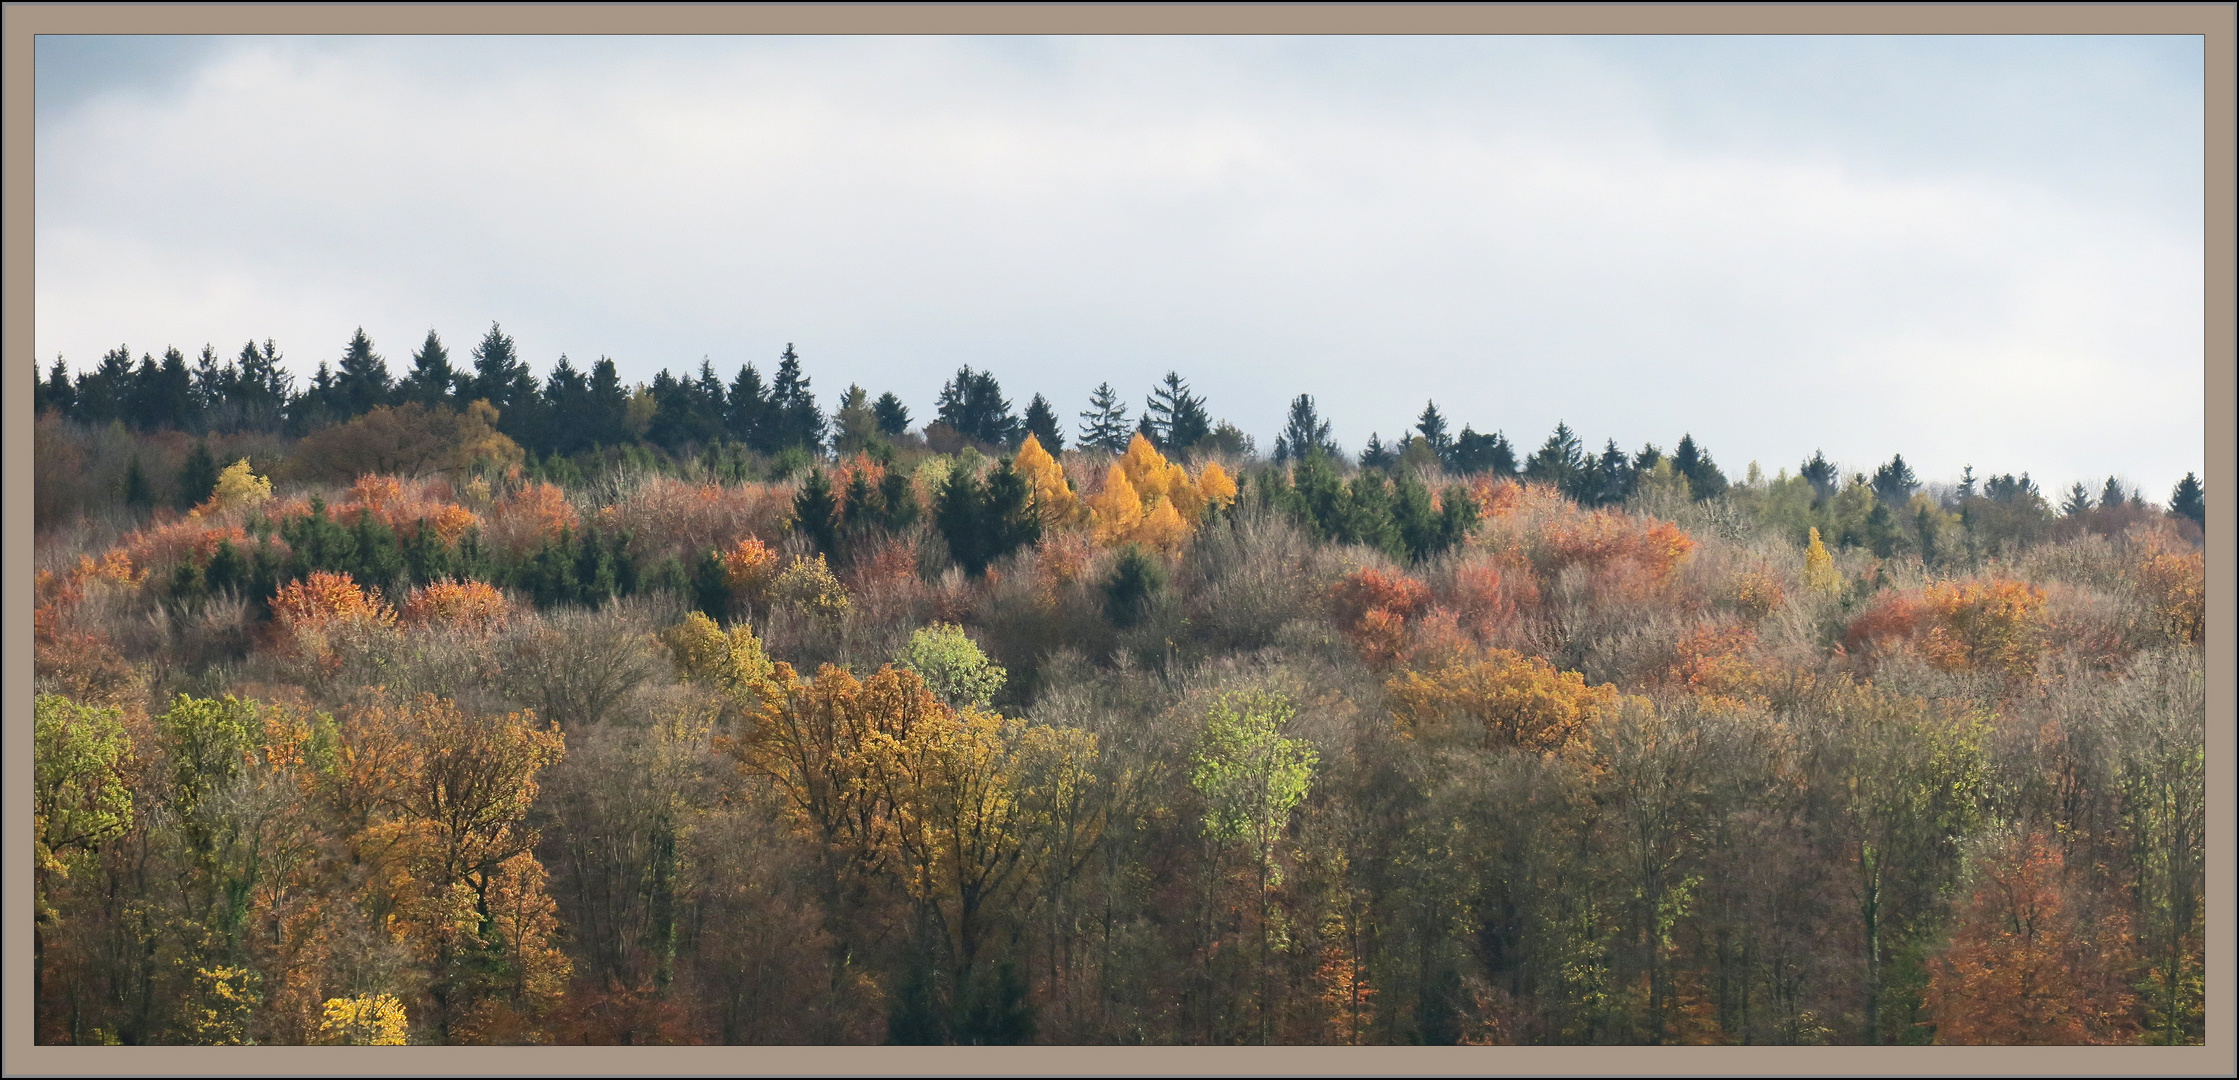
{"x": 2111, "y": 497}
{"x": 795, "y": 419}
{"x": 363, "y": 378}
{"x": 405, "y": 440}
{"x": 746, "y": 410}
{"x": 1613, "y": 476}
{"x": 499, "y": 373}
{"x": 854, "y": 426}
{"x": 2078, "y": 501}
{"x": 1041, "y": 422}
{"x": 893, "y": 416}
{"x": 816, "y": 512}
{"x": 1376, "y": 455}
{"x": 432, "y": 381}
{"x": 957, "y": 510}
{"x": 1177, "y": 419}
{"x": 1894, "y": 483}
{"x": 57, "y": 393}
{"x": 2188, "y": 500}
{"x": 1135, "y": 581}
{"x": 1558, "y": 461}
{"x": 79, "y": 799}
{"x": 1305, "y": 432}
{"x": 1483, "y": 454}
{"x": 198, "y": 477}
{"x": 1822, "y": 475}
{"x": 1433, "y": 427}
{"x": 972, "y": 403}
{"x": 1104, "y": 425}
{"x": 952, "y": 666}
{"x": 1704, "y": 481}
{"x": 1251, "y": 777}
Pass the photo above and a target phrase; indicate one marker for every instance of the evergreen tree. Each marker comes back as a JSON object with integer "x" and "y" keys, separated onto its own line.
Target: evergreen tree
{"x": 1041, "y": 422}
{"x": 956, "y": 513}
{"x": 1136, "y": 581}
{"x": 972, "y": 403}
{"x": 565, "y": 410}
{"x": 816, "y": 512}
{"x": 198, "y": 477}
{"x": 2111, "y": 497}
{"x": 432, "y": 381}
{"x": 1613, "y": 479}
{"x": 211, "y": 383}
{"x": 897, "y": 501}
{"x": 1490, "y": 454}
{"x": 893, "y": 416}
{"x": 794, "y": 415}
{"x": 498, "y": 373}
{"x": 1008, "y": 520}
{"x": 1433, "y": 429}
{"x": 1304, "y": 433}
{"x": 2189, "y": 500}
{"x": 1822, "y": 476}
{"x": 136, "y": 492}
{"x": 1559, "y": 460}
{"x": 2078, "y": 501}
{"x": 103, "y": 393}
{"x": 1376, "y": 455}
{"x": 1966, "y": 483}
{"x": 263, "y": 390}
{"x": 1104, "y": 425}
{"x": 606, "y": 406}
{"x": 854, "y": 425}
{"x": 163, "y": 394}
{"x": 363, "y": 378}
{"x": 1367, "y": 516}
{"x": 1894, "y": 482}
{"x": 58, "y": 392}
{"x": 1704, "y": 480}
{"x": 746, "y": 413}
{"x": 318, "y": 405}
{"x": 1176, "y": 418}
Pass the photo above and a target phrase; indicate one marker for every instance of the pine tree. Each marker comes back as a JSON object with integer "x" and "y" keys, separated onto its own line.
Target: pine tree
{"x": 2111, "y": 497}
{"x": 1305, "y": 433}
{"x": 854, "y": 425}
{"x": 797, "y": 420}
{"x": 1041, "y": 422}
{"x": 1104, "y": 425}
{"x": 1008, "y": 520}
{"x": 893, "y": 416}
{"x": 103, "y": 392}
{"x": 432, "y": 381}
{"x": 58, "y": 392}
{"x": 1177, "y": 418}
{"x": 2189, "y": 500}
{"x": 1614, "y": 477}
{"x": 1966, "y": 483}
{"x": 497, "y": 371}
{"x": 972, "y": 403}
{"x": 1376, "y": 455}
{"x": 816, "y": 512}
{"x": 746, "y": 410}
{"x": 956, "y": 513}
{"x": 1559, "y": 460}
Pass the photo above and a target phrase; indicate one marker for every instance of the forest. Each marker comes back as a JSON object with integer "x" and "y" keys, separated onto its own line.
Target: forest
{"x": 466, "y": 707}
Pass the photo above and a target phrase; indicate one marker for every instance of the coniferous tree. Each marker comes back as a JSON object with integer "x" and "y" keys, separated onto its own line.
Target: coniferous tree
{"x": 1104, "y": 425}
{"x": 956, "y": 513}
{"x": 972, "y": 403}
{"x": 1559, "y": 460}
{"x": 498, "y": 374}
{"x": 1894, "y": 482}
{"x": 163, "y": 394}
{"x": 1041, "y": 422}
{"x": 2111, "y": 497}
{"x": 1304, "y": 433}
{"x": 1477, "y": 453}
{"x": 2078, "y": 501}
{"x": 606, "y": 405}
{"x": 1704, "y": 480}
{"x": 794, "y": 415}
{"x": 1613, "y": 479}
{"x": 318, "y": 405}
{"x": 58, "y": 392}
{"x": 816, "y": 512}
{"x": 212, "y": 381}
{"x": 2189, "y": 500}
{"x": 1966, "y": 483}
{"x": 1008, "y": 519}
{"x": 1432, "y": 425}
{"x": 198, "y": 477}
{"x": 1821, "y": 474}
{"x": 362, "y": 377}
{"x": 432, "y": 381}
{"x": 102, "y": 393}
{"x": 746, "y": 413}
{"x": 897, "y": 501}
{"x": 263, "y": 390}
{"x": 1176, "y": 419}
{"x": 1376, "y": 455}
{"x": 893, "y": 416}
{"x": 854, "y": 425}
{"x": 136, "y": 492}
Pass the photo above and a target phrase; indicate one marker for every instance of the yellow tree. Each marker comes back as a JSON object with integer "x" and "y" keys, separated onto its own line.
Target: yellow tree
{"x": 1053, "y": 497}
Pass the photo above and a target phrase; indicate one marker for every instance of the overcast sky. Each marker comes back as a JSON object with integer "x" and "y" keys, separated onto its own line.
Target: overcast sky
{"x": 1980, "y": 251}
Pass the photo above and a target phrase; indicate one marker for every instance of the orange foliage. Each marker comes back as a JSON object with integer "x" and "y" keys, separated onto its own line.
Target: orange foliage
{"x": 458, "y": 605}
{"x": 1489, "y": 593}
{"x": 191, "y": 538}
{"x": 665, "y": 516}
{"x": 2176, "y": 584}
{"x": 1496, "y": 496}
{"x": 1715, "y": 664}
{"x": 327, "y": 597}
{"x": 1995, "y": 625}
{"x": 531, "y": 516}
{"x": 402, "y": 505}
{"x": 2022, "y": 970}
{"x": 749, "y": 568}
{"x": 1373, "y": 608}
{"x": 1515, "y": 701}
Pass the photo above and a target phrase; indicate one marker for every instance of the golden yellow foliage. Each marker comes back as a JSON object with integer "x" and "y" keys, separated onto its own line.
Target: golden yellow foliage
{"x": 1215, "y": 487}
{"x": 1515, "y": 700}
{"x": 733, "y": 663}
{"x": 1117, "y": 508}
{"x": 1819, "y": 568}
{"x": 239, "y": 488}
{"x": 364, "y": 1020}
{"x": 1053, "y": 497}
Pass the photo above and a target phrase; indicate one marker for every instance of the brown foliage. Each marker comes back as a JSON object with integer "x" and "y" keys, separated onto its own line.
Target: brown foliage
{"x": 406, "y": 440}
{"x": 2021, "y": 970}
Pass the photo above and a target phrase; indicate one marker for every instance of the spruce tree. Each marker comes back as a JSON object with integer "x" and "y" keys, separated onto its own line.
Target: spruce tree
{"x": 1559, "y": 460}
{"x": 972, "y": 403}
{"x": 2111, "y": 497}
{"x": 1894, "y": 482}
{"x": 1041, "y": 422}
{"x": 2189, "y": 500}
{"x": 136, "y": 492}
{"x": 854, "y": 426}
{"x": 1821, "y": 474}
{"x": 893, "y": 416}
{"x": 1966, "y": 483}
{"x": 1008, "y": 520}
{"x": 606, "y": 406}
{"x": 816, "y": 512}
{"x": 58, "y": 393}
{"x": 1704, "y": 481}
{"x": 198, "y": 477}
{"x": 1433, "y": 429}
{"x": 1613, "y": 479}
{"x": 363, "y": 376}
{"x": 2078, "y": 501}
{"x": 432, "y": 381}
{"x": 797, "y": 419}
{"x": 746, "y": 410}
{"x": 1376, "y": 455}
{"x": 1104, "y": 425}
{"x": 1304, "y": 433}
{"x": 956, "y": 513}
{"x": 1476, "y": 453}
{"x": 497, "y": 372}
{"x": 1176, "y": 418}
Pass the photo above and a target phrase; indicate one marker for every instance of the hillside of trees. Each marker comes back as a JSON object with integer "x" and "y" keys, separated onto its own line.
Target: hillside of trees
{"x": 465, "y": 707}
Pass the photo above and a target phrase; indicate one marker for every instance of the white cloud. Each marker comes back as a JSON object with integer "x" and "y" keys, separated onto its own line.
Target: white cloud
{"x": 1642, "y": 243}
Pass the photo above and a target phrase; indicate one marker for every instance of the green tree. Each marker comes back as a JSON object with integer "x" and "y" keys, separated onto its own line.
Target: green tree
{"x": 1251, "y": 777}
{"x": 2188, "y": 500}
{"x": 1041, "y": 422}
{"x": 79, "y": 800}
{"x": 198, "y": 477}
{"x": 893, "y": 416}
{"x": 1304, "y": 432}
{"x": 952, "y": 666}
{"x": 1136, "y": 581}
{"x": 1104, "y": 425}
{"x": 1703, "y": 478}
{"x": 432, "y": 380}
{"x": 1177, "y": 418}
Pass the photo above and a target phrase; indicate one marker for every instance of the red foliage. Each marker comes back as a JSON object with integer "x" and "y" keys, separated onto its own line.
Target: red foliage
{"x": 459, "y": 605}
{"x": 532, "y": 516}
{"x": 1373, "y": 607}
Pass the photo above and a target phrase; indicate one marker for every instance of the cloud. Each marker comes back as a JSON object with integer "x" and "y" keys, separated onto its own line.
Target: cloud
{"x": 1968, "y": 251}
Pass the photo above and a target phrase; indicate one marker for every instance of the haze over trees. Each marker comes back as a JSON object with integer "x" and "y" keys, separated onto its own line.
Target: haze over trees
{"x": 447, "y": 703}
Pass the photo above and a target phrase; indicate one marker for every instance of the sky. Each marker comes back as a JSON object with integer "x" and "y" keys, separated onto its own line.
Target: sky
{"x": 1970, "y": 251}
